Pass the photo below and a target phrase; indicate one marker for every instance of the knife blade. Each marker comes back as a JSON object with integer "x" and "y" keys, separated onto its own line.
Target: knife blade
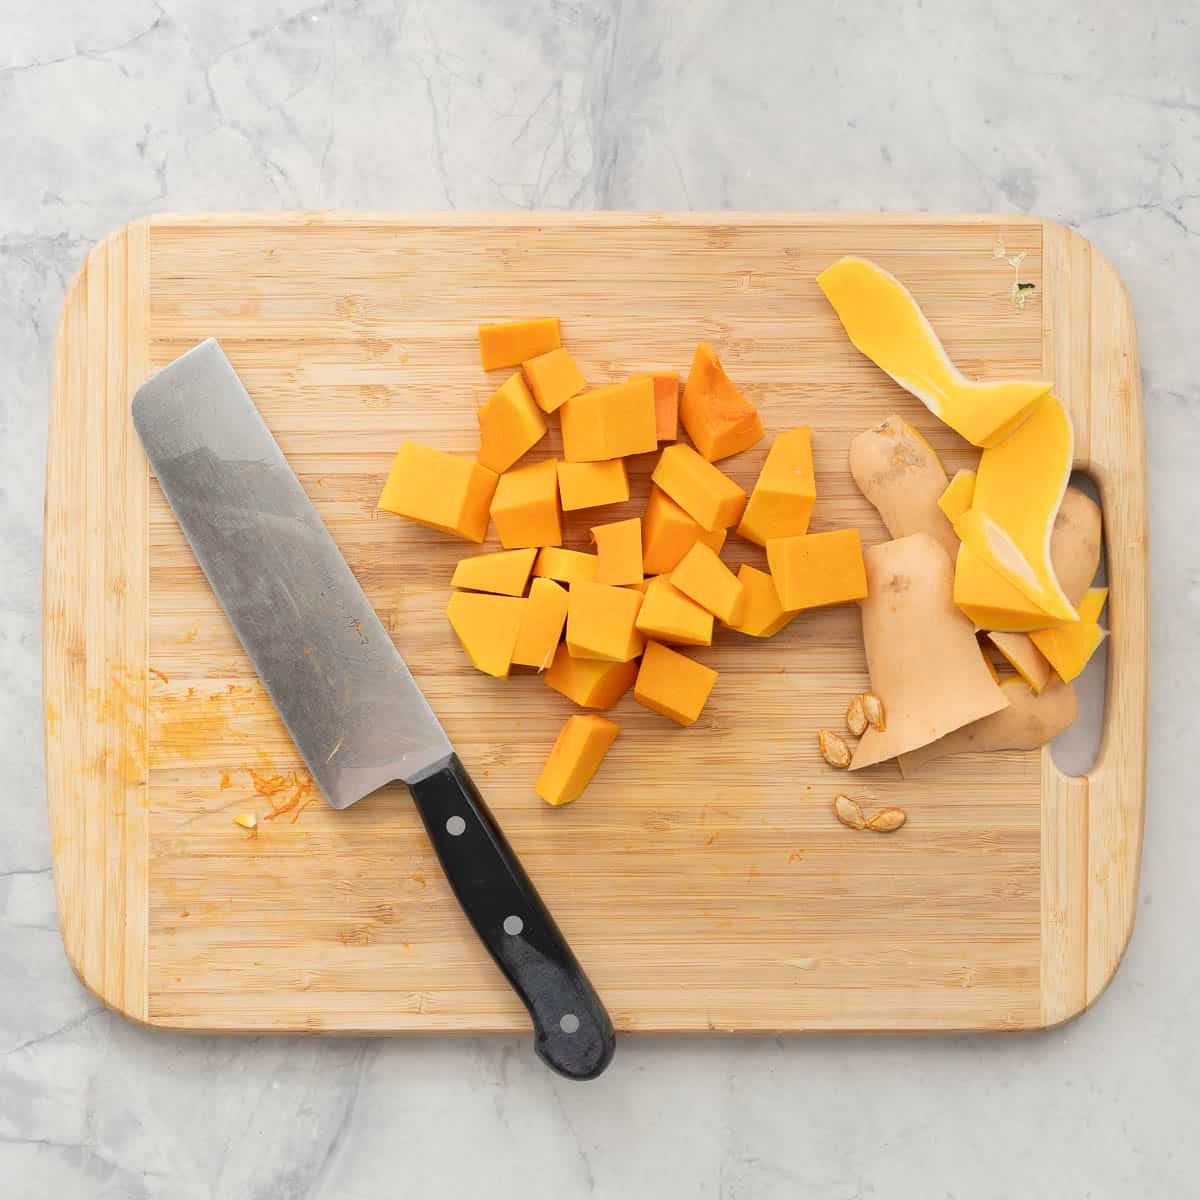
{"x": 349, "y": 701}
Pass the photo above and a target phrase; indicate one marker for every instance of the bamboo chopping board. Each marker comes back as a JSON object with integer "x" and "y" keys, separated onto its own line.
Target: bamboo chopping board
{"x": 702, "y": 879}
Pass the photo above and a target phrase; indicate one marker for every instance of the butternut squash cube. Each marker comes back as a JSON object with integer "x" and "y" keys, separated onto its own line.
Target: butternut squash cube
{"x": 619, "y": 551}
{"x": 667, "y": 615}
{"x": 704, "y": 492}
{"x": 553, "y": 379}
{"x": 666, "y": 403}
{"x": 609, "y": 422}
{"x": 541, "y": 625}
{"x": 589, "y": 682}
{"x": 525, "y": 507}
{"x": 718, "y": 418}
{"x": 443, "y": 491}
{"x": 487, "y": 626}
{"x": 989, "y": 599}
{"x": 509, "y": 424}
{"x": 602, "y": 622}
{"x": 957, "y": 497}
{"x": 817, "y": 569}
{"x": 591, "y": 484}
{"x": 574, "y": 758}
{"x": 673, "y": 685}
{"x": 668, "y": 533}
{"x": 505, "y": 572}
{"x": 567, "y": 566}
{"x": 783, "y": 497}
{"x": 1069, "y": 647}
{"x": 703, "y": 577}
{"x": 763, "y": 615}
{"x": 513, "y": 342}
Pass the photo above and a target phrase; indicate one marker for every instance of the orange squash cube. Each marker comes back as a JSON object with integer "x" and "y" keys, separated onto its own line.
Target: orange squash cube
{"x": 589, "y": 682}
{"x": 763, "y": 615}
{"x": 718, "y": 418}
{"x": 567, "y": 566}
{"x": 553, "y": 379}
{"x": 668, "y": 533}
{"x": 817, "y": 569}
{"x": 505, "y": 572}
{"x": 666, "y": 403}
{"x": 487, "y": 626}
{"x": 541, "y": 625}
{"x": 667, "y": 615}
{"x": 609, "y": 422}
{"x": 1069, "y": 647}
{"x": 525, "y": 507}
{"x": 619, "y": 551}
{"x": 703, "y": 577}
{"x": 444, "y": 491}
{"x": 602, "y": 622}
{"x": 509, "y": 424}
{"x": 591, "y": 484}
{"x": 782, "y": 500}
{"x": 513, "y": 342}
{"x": 704, "y": 492}
{"x": 575, "y": 757}
{"x": 673, "y": 685}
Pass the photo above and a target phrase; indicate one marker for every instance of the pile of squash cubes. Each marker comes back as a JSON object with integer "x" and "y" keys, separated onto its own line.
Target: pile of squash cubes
{"x": 654, "y": 583}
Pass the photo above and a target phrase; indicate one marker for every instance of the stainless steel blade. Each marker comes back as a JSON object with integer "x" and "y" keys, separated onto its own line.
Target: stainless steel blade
{"x": 344, "y": 692}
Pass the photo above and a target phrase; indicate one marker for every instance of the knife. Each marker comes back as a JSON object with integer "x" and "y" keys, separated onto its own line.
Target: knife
{"x": 348, "y": 699}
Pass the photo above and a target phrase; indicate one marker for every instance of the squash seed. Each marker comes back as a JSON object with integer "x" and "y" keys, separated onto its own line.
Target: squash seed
{"x": 856, "y": 717}
{"x": 873, "y": 709}
{"x": 833, "y": 748}
{"x": 887, "y": 820}
{"x": 849, "y": 812}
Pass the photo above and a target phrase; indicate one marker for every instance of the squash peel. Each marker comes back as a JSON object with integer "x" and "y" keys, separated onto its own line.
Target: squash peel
{"x": 1031, "y": 720}
{"x": 923, "y": 658}
{"x": 1069, "y": 648}
{"x": 1019, "y": 488}
{"x": 885, "y": 323}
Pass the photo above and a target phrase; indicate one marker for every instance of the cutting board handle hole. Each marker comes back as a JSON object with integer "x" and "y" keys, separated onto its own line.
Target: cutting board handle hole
{"x": 1076, "y": 749}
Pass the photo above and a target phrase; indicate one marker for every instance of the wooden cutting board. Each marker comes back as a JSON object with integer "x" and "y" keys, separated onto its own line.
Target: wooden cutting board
{"x": 702, "y": 879}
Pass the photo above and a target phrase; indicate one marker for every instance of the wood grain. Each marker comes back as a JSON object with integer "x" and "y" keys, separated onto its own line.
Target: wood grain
{"x": 702, "y": 879}
{"x": 96, "y": 624}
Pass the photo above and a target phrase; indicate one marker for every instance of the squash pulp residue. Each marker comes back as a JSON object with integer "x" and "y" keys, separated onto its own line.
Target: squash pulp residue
{"x": 297, "y": 785}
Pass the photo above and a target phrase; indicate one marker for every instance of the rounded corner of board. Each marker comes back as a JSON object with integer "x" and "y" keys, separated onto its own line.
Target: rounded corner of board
{"x": 136, "y": 1013}
{"x": 1102, "y": 270}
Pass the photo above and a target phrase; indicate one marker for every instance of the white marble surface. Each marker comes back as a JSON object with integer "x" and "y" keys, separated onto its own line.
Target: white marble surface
{"x": 1087, "y": 112}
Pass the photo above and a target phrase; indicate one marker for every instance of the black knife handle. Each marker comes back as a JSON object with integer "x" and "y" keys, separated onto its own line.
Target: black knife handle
{"x": 573, "y": 1034}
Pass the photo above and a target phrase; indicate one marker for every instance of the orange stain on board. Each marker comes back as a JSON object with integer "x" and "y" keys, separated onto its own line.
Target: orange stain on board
{"x": 158, "y": 674}
{"x": 303, "y": 806}
{"x": 297, "y": 783}
{"x": 52, "y": 718}
{"x": 226, "y": 781}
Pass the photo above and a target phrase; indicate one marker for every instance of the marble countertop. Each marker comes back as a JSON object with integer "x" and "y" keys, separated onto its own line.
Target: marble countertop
{"x": 1087, "y": 113}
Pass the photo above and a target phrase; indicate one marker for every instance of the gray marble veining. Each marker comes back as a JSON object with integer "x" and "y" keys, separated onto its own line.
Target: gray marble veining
{"x": 1086, "y": 112}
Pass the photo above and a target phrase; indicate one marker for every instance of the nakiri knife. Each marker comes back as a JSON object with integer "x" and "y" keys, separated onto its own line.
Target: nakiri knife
{"x": 345, "y": 694}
